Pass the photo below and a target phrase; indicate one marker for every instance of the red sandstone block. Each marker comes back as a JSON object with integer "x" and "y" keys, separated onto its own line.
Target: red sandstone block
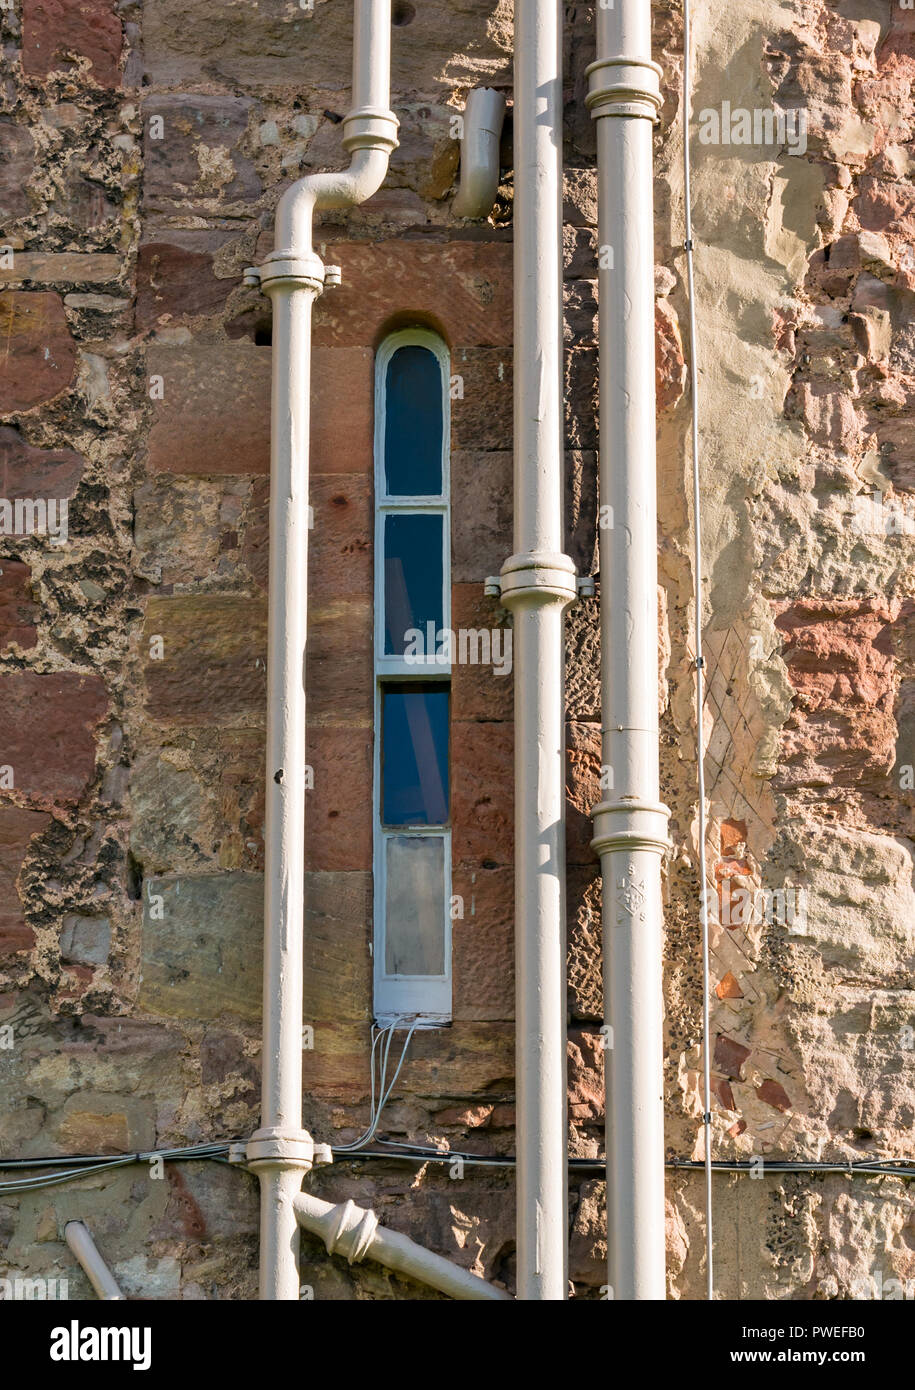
{"x": 771, "y": 1093}
{"x": 15, "y": 170}
{"x": 478, "y": 692}
{"x": 213, "y": 414}
{"x": 343, "y": 410}
{"x": 212, "y": 665}
{"x": 482, "y": 943}
{"x": 38, "y": 353}
{"x": 721, "y": 1088}
{"x": 728, "y": 988}
{"x": 733, "y": 836}
{"x": 17, "y": 828}
{"x": 48, "y": 735}
{"x": 341, "y": 541}
{"x": 461, "y": 288}
{"x": 17, "y": 611}
{"x": 482, "y": 778}
{"x": 730, "y": 1056}
{"x": 339, "y": 676}
{"x": 466, "y": 1059}
{"x": 840, "y": 659}
{"x": 36, "y": 473}
{"x": 670, "y": 367}
{"x": 481, "y": 514}
{"x": 585, "y": 1058}
{"x": 481, "y": 406}
{"x": 338, "y": 809}
{"x": 56, "y": 32}
{"x": 176, "y": 279}
{"x": 191, "y": 125}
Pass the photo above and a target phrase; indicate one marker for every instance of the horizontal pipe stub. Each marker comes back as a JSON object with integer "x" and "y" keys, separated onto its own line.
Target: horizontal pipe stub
{"x": 276, "y": 1147}
{"x": 621, "y": 86}
{"x": 630, "y": 825}
{"x": 370, "y": 128}
{"x": 538, "y": 577}
{"x": 288, "y": 267}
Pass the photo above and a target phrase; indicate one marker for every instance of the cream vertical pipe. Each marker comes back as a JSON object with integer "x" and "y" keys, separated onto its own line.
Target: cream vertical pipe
{"x": 631, "y": 825}
{"x": 292, "y": 275}
{"x": 284, "y": 1149}
{"x": 538, "y": 581}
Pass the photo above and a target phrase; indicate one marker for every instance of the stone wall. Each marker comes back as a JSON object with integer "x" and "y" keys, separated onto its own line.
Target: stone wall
{"x": 142, "y": 153}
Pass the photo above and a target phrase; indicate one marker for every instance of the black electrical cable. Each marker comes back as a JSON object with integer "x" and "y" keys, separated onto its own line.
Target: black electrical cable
{"x": 893, "y": 1167}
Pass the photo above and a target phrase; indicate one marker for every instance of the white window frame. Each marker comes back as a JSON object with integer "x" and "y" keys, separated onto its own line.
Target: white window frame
{"x": 424, "y": 1000}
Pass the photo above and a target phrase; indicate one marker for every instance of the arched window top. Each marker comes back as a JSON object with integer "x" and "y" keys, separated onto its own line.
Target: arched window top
{"x": 412, "y": 380}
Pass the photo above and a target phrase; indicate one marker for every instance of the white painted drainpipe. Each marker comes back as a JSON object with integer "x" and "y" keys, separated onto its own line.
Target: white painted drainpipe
{"x": 293, "y": 276}
{"x": 79, "y": 1239}
{"x": 484, "y": 114}
{"x": 538, "y": 582}
{"x": 631, "y": 826}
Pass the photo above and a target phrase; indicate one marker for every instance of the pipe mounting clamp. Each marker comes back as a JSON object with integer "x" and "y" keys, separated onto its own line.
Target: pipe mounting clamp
{"x": 538, "y": 576}
{"x": 281, "y": 1148}
{"x": 292, "y": 268}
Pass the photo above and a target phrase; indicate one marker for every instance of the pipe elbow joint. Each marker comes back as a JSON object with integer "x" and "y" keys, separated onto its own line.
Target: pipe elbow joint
{"x": 483, "y": 118}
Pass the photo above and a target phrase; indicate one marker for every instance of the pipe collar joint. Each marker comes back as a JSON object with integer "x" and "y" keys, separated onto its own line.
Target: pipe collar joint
{"x": 370, "y": 128}
{"x": 623, "y": 86}
{"x": 630, "y": 824}
{"x": 538, "y": 577}
{"x": 276, "y": 1147}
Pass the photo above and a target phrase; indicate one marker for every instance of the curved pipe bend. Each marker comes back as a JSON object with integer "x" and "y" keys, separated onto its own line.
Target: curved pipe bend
{"x": 484, "y": 114}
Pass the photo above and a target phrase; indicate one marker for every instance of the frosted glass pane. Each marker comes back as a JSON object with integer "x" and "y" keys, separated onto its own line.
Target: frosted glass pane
{"x": 414, "y": 932}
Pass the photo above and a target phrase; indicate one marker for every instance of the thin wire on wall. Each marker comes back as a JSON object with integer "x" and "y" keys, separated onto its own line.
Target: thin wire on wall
{"x": 700, "y": 663}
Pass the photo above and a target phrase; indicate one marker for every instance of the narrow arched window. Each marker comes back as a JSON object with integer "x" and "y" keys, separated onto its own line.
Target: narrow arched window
{"x": 412, "y": 936}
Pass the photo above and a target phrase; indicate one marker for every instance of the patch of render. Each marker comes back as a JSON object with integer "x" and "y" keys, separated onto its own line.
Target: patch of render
{"x": 804, "y": 286}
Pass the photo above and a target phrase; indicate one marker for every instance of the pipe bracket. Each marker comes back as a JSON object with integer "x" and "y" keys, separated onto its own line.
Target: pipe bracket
{"x": 538, "y": 576}
{"x": 290, "y": 267}
{"x": 276, "y": 1147}
{"x": 623, "y": 86}
{"x": 630, "y": 825}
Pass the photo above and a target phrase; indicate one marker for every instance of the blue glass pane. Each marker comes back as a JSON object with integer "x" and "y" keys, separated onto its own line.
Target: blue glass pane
{"x": 413, "y": 424}
{"x": 414, "y": 755}
{"x": 413, "y": 588}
